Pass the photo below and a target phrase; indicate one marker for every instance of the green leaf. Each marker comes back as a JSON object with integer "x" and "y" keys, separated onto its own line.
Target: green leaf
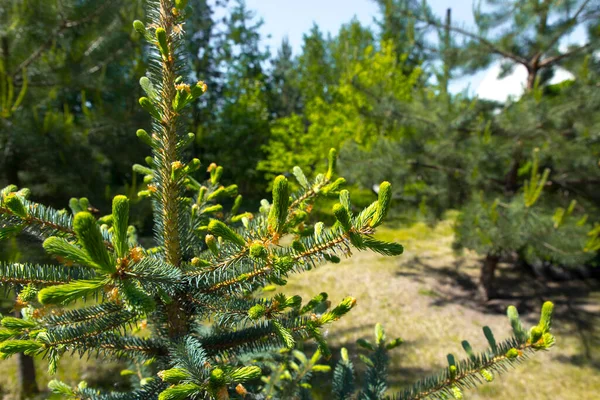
{"x": 15, "y": 205}
{"x": 120, "y": 213}
{"x": 8, "y": 190}
{"x": 394, "y": 343}
{"x": 7, "y": 334}
{"x": 218, "y": 228}
{"x": 8, "y": 232}
{"x": 258, "y": 251}
{"x": 60, "y": 388}
{"x": 321, "y": 368}
{"x": 146, "y": 138}
{"x": 341, "y": 309}
{"x": 279, "y": 209}
{"x": 343, "y": 216}
{"x": 379, "y": 334}
{"x": 17, "y": 323}
{"x": 174, "y": 375}
{"x": 469, "y": 350}
{"x": 63, "y": 294}
{"x": 300, "y": 177}
{"x": 136, "y": 298}
{"x": 383, "y": 203}
{"x": 314, "y": 302}
{"x": 245, "y": 374}
{"x": 212, "y": 244}
{"x": 345, "y": 199}
{"x": 365, "y": 344}
{"x": 489, "y": 335}
{"x": 161, "y": 37}
{"x": 385, "y": 248}
{"x": 179, "y": 392}
{"x": 148, "y": 88}
{"x": 333, "y": 187}
{"x": 88, "y": 233}
{"x": 284, "y": 334}
{"x": 139, "y": 27}
{"x": 11, "y": 347}
{"x": 331, "y": 164}
{"x": 147, "y": 105}
{"x": 236, "y": 204}
{"x": 62, "y": 248}
{"x": 515, "y": 322}
{"x": 546, "y": 317}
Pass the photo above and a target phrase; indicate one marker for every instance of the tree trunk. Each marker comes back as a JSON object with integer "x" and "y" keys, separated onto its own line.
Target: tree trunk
{"x": 511, "y": 179}
{"x": 532, "y": 73}
{"x": 26, "y": 380}
{"x": 488, "y": 276}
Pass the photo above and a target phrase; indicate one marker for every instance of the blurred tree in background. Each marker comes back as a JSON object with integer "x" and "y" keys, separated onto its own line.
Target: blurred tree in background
{"x": 462, "y": 147}
{"x": 235, "y": 126}
{"x": 69, "y": 63}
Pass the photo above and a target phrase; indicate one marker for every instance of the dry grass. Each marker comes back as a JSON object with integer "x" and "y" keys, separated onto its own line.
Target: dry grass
{"x": 426, "y": 296}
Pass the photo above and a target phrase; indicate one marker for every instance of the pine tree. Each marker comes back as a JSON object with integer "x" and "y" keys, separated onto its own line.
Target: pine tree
{"x": 67, "y": 75}
{"x": 200, "y": 290}
{"x": 531, "y": 37}
{"x": 519, "y": 224}
{"x": 315, "y": 67}
{"x": 532, "y": 34}
{"x": 241, "y": 107}
{"x": 454, "y": 148}
{"x": 399, "y": 26}
{"x": 285, "y": 83}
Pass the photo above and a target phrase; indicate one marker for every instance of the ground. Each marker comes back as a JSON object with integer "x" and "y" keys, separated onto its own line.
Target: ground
{"x": 427, "y": 296}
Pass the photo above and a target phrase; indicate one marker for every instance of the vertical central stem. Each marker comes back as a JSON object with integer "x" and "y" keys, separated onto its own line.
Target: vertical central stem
{"x": 169, "y": 190}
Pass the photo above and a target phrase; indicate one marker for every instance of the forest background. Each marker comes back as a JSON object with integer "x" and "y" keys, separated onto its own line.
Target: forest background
{"x": 512, "y": 184}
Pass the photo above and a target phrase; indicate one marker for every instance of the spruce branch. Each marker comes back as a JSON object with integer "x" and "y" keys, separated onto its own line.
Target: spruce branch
{"x": 496, "y": 360}
{"x": 40, "y": 220}
{"x": 42, "y": 275}
{"x": 80, "y": 331}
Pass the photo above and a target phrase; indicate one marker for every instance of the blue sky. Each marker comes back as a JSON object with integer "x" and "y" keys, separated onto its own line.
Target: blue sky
{"x": 293, "y": 18}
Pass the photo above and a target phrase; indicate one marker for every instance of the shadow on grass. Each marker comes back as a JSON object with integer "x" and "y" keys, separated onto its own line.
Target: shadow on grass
{"x": 577, "y": 309}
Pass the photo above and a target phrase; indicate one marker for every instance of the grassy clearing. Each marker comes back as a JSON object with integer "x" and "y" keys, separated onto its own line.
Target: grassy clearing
{"x": 426, "y": 296}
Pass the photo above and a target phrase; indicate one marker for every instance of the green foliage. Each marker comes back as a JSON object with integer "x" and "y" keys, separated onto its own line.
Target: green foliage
{"x": 120, "y": 216}
{"x": 451, "y": 382}
{"x": 200, "y": 290}
{"x": 333, "y": 119}
{"x": 290, "y": 374}
{"x": 69, "y": 252}
{"x": 63, "y": 294}
{"x": 520, "y": 225}
{"x": 279, "y": 209}
{"x": 61, "y": 70}
{"x": 88, "y": 233}
{"x": 453, "y": 152}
